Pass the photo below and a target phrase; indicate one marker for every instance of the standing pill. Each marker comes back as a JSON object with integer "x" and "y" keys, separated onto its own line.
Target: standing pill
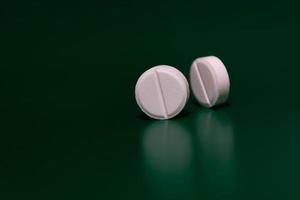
{"x": 209, "y": 81}
{"x": 162, "y": 92}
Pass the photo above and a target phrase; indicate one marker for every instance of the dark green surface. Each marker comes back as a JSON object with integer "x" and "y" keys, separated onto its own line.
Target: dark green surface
{"x": 70, "y": 127}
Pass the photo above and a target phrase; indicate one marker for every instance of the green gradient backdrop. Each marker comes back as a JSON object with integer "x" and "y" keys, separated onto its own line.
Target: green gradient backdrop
{"x": 70, "y": 127}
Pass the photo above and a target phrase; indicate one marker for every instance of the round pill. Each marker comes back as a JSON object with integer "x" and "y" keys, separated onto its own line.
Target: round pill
{"x": 209, "y": 81}
{"x": 161, "y": 92}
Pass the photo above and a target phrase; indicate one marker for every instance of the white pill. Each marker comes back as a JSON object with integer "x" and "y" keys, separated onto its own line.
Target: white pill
{"x": 209, "y": 81}
{"x": 162, "y": 92}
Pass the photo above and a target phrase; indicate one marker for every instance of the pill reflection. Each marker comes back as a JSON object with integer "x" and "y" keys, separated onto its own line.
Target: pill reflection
{"x": 215, "y": 134}
{"x": 167, "y": 155}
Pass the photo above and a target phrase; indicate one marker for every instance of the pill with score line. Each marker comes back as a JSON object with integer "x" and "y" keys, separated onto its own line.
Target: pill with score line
{"x": 209, "y": 81}
{"x": 162, "y": 92}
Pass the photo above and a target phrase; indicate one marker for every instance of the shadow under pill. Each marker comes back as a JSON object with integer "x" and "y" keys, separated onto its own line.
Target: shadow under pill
{"x": 223, "y": 105}
{"x": 182, "y": 114}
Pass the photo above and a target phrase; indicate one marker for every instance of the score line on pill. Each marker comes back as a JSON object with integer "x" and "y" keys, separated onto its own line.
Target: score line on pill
{"x": 162, "y": 92}
{"x": 209, "y": 81}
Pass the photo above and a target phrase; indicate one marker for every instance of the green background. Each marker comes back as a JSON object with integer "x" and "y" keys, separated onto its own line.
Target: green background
{"x": 70, "y": 127}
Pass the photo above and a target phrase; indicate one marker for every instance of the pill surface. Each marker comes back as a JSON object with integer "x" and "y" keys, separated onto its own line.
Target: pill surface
{"x": 209, "y": 81}
{"x": 162, "y": 92}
